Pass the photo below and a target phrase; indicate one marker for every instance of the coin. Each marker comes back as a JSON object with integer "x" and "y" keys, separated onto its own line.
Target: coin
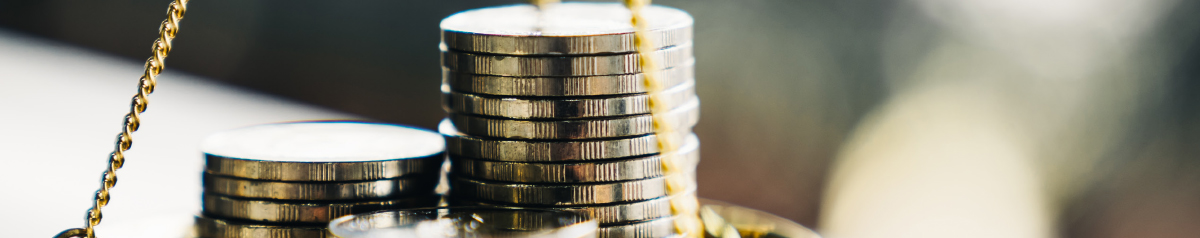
{"x": 622, "y": 213}
{"x": 563, "y": 86}
{"x": 323, "y": 151}
{"x": 208, "y": 227}
{"x": 579, "y": 172}
{"x": 585, "y": 65}
{"x": 567, "y": 28}
{"x": 465, "y": 222}
{"x": 684, "y": 116}
{"x": 358, "y": 190}
{"x": 463, "y": 145}
{"x": 657, "y": 228}
{"x": 562, "y": 108}
{"x": 558, "y": 195}
{"x": 299, "y": 211}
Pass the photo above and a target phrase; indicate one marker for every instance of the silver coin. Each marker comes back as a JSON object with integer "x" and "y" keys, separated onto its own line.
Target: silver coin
{"x": 567, "y": 28}
{"x": 681, "y": 117}
{"x": 623, "y": 213}
{"x": 323, "y": 151}
{"x": 584, "y": 65}
{"x": 300, "y": 211}
{"x": 557, "y": 195}
{"x": 657, "y": 228}
{"x": 475, "y": 221}
{"x": 563, "y": 86}
{"x": 356, "y": 190}
{"x": 208, "y": 227}
{"x": 562, "y": 108}
{"x": 582, "y": 172}
{"x": 463, "y": 145}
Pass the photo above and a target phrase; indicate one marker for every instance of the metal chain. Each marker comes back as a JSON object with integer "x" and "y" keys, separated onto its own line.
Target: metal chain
{"x": 154, "y": 66}
{"x": 684, "y": 205}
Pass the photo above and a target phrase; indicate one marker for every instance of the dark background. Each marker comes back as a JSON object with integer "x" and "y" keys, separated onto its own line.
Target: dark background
{"x": 783, "y": 82}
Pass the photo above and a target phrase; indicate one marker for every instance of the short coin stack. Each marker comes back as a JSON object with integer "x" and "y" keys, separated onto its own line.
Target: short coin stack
{"x": 548, "y": 109}
{"x": 289, "y": 180}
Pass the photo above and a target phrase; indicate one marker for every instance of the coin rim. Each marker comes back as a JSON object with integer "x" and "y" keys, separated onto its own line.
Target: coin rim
{"x": 562, "y": 108}
{"x": 209, "y": 227}
{"x": 575, "y": 172}
{"x": 600, "y": 85}
{"x": 684, "y": 116}
{"x": 318, "y": 191}
{"x": 322, "y": 171}
{"x": 294, "y": 211}
{"x": 657, "y": 228}
{"x": 463, "y": 145}
{"x": 582, "y": 65}
{"x": 613, "y": 214}
{"x": 558, "y": 194}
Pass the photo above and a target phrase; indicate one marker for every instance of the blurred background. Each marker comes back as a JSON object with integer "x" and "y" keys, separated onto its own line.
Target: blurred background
{"x": 861, "y": 118}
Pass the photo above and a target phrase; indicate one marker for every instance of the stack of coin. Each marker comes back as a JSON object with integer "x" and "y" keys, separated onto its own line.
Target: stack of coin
{"x": 548, "y": 109}
{"x": 289, "y": 180}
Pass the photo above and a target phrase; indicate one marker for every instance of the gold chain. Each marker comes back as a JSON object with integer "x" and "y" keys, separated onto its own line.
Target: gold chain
{"x": 154, "y": 66}
{"x": 684, "y": 205}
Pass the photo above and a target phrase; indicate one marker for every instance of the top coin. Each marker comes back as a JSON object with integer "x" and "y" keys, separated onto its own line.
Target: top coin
{"x": 323, "y": 151}
{"x": 561, "y": 29}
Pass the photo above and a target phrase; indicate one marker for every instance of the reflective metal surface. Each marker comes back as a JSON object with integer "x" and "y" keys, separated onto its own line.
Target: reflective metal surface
{"x": 576, "y": 28}
{"x": 684, "y": 116}
{"x": 476, "y": 222}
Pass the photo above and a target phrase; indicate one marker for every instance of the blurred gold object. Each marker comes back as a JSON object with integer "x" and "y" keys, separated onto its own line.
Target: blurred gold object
{"x": 544, "y": 3}
{"x": 715, "y": 226}
{"x": 154, "y": 66}
{"x": 752, "y": 223}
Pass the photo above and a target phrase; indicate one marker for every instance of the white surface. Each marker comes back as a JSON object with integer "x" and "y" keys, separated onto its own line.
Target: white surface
{"x": 325, "y": 142}
{"x": 570, "y": 19}
{"x": 60, "y": 112}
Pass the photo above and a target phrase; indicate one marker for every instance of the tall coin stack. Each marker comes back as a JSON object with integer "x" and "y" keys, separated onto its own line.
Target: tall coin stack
{"x": 289, "y": 180}
{"x": 548, "y": 109}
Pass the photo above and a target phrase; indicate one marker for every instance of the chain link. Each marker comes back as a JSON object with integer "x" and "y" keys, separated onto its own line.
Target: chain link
{"x": 685, "y": 207}
{"x": 146, "y": 84}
